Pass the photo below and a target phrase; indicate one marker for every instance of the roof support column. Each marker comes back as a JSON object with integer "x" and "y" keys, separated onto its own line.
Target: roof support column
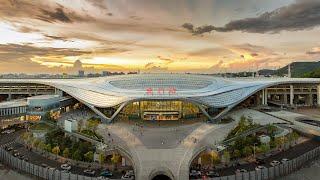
{"x": 318, "y": 95}
{"x": 291, "y": 95}
{"x": 264, "y": 97}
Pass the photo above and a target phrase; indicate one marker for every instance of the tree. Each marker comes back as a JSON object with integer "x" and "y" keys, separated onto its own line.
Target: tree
{"x": 226, "y": 157}
{"x": 88, "y": 156}
{"x": 236, "y": 153}
{"x": 48, "y": 147}
{"x": 115, "y": 159}
{"x": 66, "y": 153}
{"x": 56, "y": 150}
{"x": 42, "y": 145}
{"x": 35, "y": 142}
{"x": 92, "y": 124}
{"x": 102, "y": 158}
{"x": 264, "y": 148}
{"x": 246, "y": 151}
{"x": 77, "y": 155}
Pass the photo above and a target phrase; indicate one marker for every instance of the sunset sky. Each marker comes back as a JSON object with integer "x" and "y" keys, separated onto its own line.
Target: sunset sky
{"x": 198, "y": 36}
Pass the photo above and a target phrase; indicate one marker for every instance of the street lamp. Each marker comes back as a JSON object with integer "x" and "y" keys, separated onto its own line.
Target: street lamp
{"x": 254, "y": 150}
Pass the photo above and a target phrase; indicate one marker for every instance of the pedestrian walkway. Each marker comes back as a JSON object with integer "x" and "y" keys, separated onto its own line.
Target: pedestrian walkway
{"x": 150, "y": 152}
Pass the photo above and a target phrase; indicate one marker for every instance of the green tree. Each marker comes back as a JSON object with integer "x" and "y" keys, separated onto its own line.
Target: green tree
{"x": 236, "y": 153}
{"x": 35, "y": 142}
{"x": 264, "y": 148}
{"x": 102, "y": 158}
{"x": 66, "y": 153}
{"x": 115, "y": 159}
{"x": 226, "y": 157}
{"x": 89, "y": 156}
{"x": 42, "y": 145}
{"x": 56, "y": 150}
{"x": 48, "y": 147}
{"x": 246, "y": 151}
{"x": 92, "y": 124}
{"x": 77, "y": 155}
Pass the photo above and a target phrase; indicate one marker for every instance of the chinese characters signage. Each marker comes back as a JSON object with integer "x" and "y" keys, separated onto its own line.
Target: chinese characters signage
{"x": 161, "y": 91}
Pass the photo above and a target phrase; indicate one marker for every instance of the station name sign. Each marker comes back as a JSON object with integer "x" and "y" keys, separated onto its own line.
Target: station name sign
{"x": 161, "y": 91}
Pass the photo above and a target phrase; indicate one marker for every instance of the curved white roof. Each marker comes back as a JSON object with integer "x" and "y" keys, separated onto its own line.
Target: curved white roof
{"x": 115, "y": 90}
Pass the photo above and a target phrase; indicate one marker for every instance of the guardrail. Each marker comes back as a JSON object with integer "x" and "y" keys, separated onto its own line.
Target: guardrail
{"x": 276, "y": 171}
{"x": 38, "y": 171}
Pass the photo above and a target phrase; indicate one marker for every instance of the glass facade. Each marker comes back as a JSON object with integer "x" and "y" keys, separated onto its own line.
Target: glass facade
{"x": 161, "y": 110}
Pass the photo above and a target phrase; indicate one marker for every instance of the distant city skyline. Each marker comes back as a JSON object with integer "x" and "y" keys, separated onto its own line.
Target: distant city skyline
{"x": 207, "y": 36}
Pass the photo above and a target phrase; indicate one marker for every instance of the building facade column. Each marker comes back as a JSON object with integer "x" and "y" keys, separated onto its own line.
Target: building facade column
{"x": 291, "y": 95}
{"x": 318, "y": 95}
{"x": 265, "y": 97}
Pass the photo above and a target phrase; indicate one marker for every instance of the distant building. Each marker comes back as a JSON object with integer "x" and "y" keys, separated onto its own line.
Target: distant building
{"x": 106, "y": 73}
{"x": 81, "y": 73}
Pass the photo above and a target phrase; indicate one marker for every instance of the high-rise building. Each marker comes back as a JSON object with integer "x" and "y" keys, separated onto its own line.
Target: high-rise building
{"x": 106, "y": 73}
{"x": 81, "y": 73}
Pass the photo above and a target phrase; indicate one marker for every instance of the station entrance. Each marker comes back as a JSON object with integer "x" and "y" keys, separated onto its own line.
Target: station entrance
{"x": 161, "y": 110}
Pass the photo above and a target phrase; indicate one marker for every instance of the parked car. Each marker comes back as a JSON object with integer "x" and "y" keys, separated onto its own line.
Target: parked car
{"x": 17, "y": 154}
{"x": 195, "y": 174}
{"x": 66, "y": 167}
{"x": 241, "y": 171}
{"x": 274, "y": 163}
{"x": 8, "y": 131}
{"x": 89, "y": 172}
{"x": 21, "y": 157}
{"x": 103, "y": 178}
{"x": 212, "y": 174}
{"x": 284, "y": 160}
{"x": 106, "y": 173}
{"x": 258, "y": 168}
{"x": 127, "y": 177}
{"x": 9, "y": 148}
{"x": 44, "y": 165}
{"x": 260, "y": 160}
{"x": 130, "y": 172}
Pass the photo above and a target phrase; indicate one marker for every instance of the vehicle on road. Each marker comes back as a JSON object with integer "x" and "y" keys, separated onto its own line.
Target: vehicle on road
{"x": 258, "y": 168}
{"x": 44, "y": 165}
{"x": 8, "y": 131}
{"x": 284, "y": 160}
{"x": 238, "y": 171}
{"x": 212, "y": 174}
{"x": 127, "y": 177}
{"x": 89, "y": 172}
{"x": 274, "y": 163}
{"x": 106, "y": 173}
{"x": 9, "y": 148}
{"x": 103, "y": 178}
{"x": 66, "y": 167}
{"x": 195, "y": 174}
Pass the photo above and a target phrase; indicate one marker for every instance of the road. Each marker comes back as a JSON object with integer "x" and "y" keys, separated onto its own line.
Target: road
{"x": 38, "y": 159}
{"x": 289, "y": 154}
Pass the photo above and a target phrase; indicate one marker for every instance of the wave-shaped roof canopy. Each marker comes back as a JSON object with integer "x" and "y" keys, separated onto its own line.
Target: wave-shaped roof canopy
{"x": 115, "y": 90}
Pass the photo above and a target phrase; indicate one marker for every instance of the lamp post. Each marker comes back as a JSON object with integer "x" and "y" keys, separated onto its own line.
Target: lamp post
{"x": 254, "y": 150}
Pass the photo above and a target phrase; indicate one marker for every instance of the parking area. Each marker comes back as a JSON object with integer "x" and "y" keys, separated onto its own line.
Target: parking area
{"x": 265, "y": 160}
{"x": 19, "y": 150}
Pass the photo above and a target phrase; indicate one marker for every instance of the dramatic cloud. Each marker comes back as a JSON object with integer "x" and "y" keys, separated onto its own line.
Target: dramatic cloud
{"x": 314, "y": 51}
{"x": 57, "y": 15}
{"x": 304, "y": 14}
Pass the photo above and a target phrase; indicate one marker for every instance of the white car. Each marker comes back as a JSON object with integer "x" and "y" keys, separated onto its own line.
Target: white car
{"x": 241, "y": 171}
{"x": 66, "y": 167}
{"x": 127, "y": 177}
{"x": 103, "y": 178}
{"x": 274, "y": 163}
{"x": 284, "y": 160}
{"x": 258, "y": 168}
